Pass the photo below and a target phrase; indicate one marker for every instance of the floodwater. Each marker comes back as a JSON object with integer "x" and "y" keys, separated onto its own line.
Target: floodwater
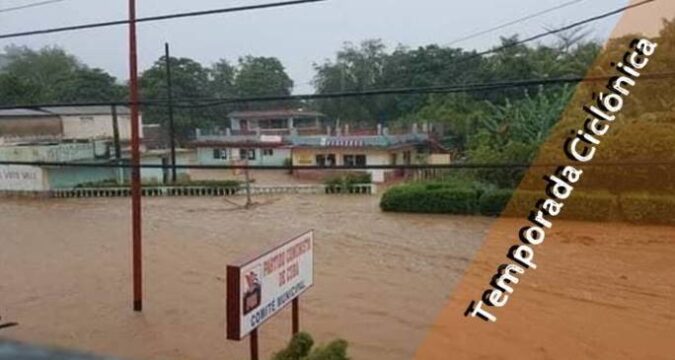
{"x": 380, "y": 279}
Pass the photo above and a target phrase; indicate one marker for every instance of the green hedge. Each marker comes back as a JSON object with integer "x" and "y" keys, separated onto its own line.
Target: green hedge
{"x": 648, "y": 208}
{"x": 492, "y": 203}
{"x": 598, "y": 206}
{"x": 458, "y": 198}
{"x": 430, "y": 199}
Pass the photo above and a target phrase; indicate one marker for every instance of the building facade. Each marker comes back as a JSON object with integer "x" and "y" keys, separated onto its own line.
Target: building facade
{"x": 276, "y": 122}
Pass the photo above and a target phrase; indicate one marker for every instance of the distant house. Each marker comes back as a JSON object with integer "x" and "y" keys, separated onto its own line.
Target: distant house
{"x": 276, "y": 122}
{"x": 214, "y": 148}
{"x": 361, "y": 151}
{"x": 64, "y": 123}
{"x": 29, "y": 124}
{"x": 94, "y": 122}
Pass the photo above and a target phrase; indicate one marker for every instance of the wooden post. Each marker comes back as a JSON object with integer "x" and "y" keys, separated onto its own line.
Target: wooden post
{"x": 248, "y": 186}
{"x": 296, "y": 316}
{"x": 254, "y": 345}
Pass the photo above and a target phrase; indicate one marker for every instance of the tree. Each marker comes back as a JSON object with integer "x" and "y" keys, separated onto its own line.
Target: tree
{"x": 189, "y": 80}
{"x": 262, "y": 77}
{"x": 52, "y": 75}
{"x": 222, "y": 76}
{"x": 354, "y": 69}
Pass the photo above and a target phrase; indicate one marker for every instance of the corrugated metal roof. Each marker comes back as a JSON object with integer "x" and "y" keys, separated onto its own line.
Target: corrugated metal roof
{"x": 86, "y": 110}
{"x": 381, "y": 141}
{"x": 64, "y": 110}
{"x": 23, "y": 112}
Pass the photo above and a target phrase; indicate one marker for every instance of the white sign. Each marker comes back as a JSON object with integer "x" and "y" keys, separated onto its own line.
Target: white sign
{"x": 260, "y": 287}
{"x": 21, "y": 178}
{"x": 271, "y": 139}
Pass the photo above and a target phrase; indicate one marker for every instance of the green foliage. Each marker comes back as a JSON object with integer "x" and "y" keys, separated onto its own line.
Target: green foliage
{"x": 336, "y": 350}
{"x": 51, "y": 75}
{"x": 492, "y": 203}
{"x": 435, "y": 198}
{"x": 346, "y": 182}
{"x": 300, "y": 346}
{"x": 262, "y": 76}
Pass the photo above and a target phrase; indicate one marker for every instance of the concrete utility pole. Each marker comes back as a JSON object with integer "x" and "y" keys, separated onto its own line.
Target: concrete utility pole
{"x": 137, "y": 266}
{"x": 172, "y": 128}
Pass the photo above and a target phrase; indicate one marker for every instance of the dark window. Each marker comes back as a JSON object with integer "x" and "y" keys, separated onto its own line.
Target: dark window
{"x": 247, "y": 154}
{"x": 220, "y": 154}
{"x": 304, "y": 123}
{"x": 268, "y": 152}
{"x": 355, "y": 160}
{"x": 273, "y": 124}
{"x": 325, "y": 160}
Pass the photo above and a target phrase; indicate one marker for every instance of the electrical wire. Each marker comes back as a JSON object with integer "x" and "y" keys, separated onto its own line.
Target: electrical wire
{"x": 124, "y": 164}
{"x": 517, "y": 21}
{"x": 31, "y": 5}
{"x": 559, "y": 30}
{"x": 444, "y": 89}
{"x": 157, "y": 18}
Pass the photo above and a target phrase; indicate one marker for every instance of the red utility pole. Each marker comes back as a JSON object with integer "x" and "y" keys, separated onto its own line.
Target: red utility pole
{"x": 135, "y": 163}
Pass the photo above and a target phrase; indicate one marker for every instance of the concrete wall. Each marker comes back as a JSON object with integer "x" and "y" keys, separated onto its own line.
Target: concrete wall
{"x": 97, "y": 127}
{"x": 22, "y": 178}
{"x": 157, "y": 175}
{"x": 48, "y": 153}
{"x": 67, "y": 178}
{"x": 278, "y": 157}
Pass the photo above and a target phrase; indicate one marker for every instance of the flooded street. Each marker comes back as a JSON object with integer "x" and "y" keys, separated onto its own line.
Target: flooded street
{"x": 380, "y": 279}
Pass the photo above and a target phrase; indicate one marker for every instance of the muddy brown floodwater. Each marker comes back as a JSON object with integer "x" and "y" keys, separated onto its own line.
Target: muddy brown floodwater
{"x": 380, "y": 279}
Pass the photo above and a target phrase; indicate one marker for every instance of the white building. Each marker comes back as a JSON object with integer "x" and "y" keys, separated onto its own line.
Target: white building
{"x": 65, "y": 123}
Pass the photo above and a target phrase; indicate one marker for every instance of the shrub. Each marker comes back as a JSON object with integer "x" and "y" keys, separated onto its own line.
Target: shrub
{"x": 591, "y": 206}
{"x": 337, "y": 350}
{"x": 644, "y": 208}
{"x": 430, "y": 198}
{"x": 344, "y": 183}
{"x": 297, "y": 349}
{"x": 492, "y": 203}
{"x": 301, "y": 344}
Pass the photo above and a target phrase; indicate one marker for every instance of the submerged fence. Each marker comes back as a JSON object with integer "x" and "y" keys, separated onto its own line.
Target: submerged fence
{"x": 211, "y": 191}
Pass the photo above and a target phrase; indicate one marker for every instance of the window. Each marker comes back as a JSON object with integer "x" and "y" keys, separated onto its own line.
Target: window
{"x": 325, "y": 160}
{"x": 355, "y": 160}
{"x": 305, "y": 123}
{"x": 220, "y": 154}
{"x": 247, "y": 154}
{"x": 273, "y": 124}
{"x": 268, "y": 152}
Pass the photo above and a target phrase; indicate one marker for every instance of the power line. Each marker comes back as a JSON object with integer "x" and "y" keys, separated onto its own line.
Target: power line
{"x": 519, "y": 20}
{"x": 158, "y": 18}
{"x": 559, "y": 30}
{"x": 31, "y": 5}
{"x": 443, "y": 89}
{"x": 126, "y": 165}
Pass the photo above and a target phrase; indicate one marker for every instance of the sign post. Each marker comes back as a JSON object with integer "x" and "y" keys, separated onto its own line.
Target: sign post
{"x": 261, "y": 286}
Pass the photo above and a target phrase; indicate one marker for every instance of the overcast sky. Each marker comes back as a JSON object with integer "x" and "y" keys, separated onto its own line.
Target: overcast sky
{"x": 298, "y": 35}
